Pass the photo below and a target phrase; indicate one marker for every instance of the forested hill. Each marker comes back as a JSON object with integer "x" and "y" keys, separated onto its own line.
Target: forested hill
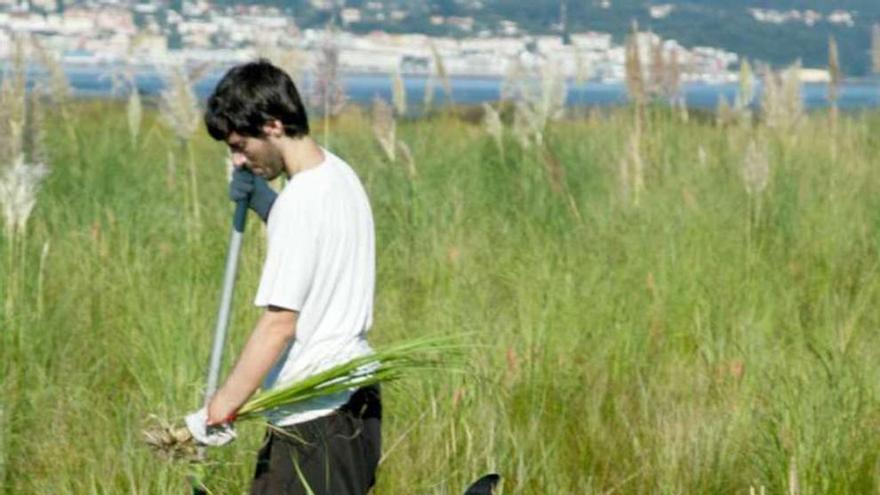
{"x": 732, "y": 25}
{"x": 723, "y": 23}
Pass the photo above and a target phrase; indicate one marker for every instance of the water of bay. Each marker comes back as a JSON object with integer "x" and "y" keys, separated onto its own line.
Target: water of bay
{"x": 98, "y": 82}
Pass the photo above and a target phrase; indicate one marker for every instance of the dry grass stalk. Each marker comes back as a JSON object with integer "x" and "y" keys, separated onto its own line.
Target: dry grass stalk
{"x": 745, "y": 93}
{"x": 385, "y": 128}
{"x": 833, "y": 70}
{"x": 792, "y": 95}
{"x": 683, "y": 113}
{"x": 875, "y": 48}
{"x": 385, "y": 131}
{"x": 512, "y": 83}
{"x": 440, "y": 68}
{"x": 536, "y": 105}
{"x": 657, "y": 73}
{"x": 180, "y": 111}
{"x": 782, "y": 103}
{"x": 527, "y": 127}
{"x": 428, "y": 100}
{"x": 4, "y": 448}
{"x": 119, "y": 81}
{"x": 197, "y": 72}
{"x": 724, "y": 114}
{"x": 522, "y": 129}
{"x": 41, "y": 277}
{"x": 134, "y": 110}
{"x": 794, "y": 486}
{"x": 672, "y": 76}
{"x": 582, "y": 67}
{"x": 59, "y": 89}
{"x": 554, "y": 93}
{"x": 289, "y": 59}
{"x": 59, "y": 86}
{"x": 756, "y": 169}
{"x": 13, "y": 107}
{"x": 178, "y": 105}
{"x": 770, "y": 97}
{"x": 170, "y": 170}
{"x": 554, "y": 169}
{"x": 34, "y": 139}
{"x": 408, "y": 161}
{"x": 834, "y": 81}
{"x": 398, "y": 93}
{"x": 492, "y": 124}
{"x": 327, "y": 91}
{"x": 638, "y": 168}
{"x": 631, "y": 170}
{"x": 635, "y": 80}
{"x": 702, "y": 157}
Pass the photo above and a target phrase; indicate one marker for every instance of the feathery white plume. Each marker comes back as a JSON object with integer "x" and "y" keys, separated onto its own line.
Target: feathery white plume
{"x": 19, "y": 185}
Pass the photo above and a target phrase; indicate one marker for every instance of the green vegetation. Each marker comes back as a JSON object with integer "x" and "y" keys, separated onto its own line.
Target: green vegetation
{"x": 686, "y": 332}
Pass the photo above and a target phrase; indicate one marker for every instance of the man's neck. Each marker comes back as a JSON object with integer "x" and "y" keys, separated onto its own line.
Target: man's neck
{"x": 300, "y": 154}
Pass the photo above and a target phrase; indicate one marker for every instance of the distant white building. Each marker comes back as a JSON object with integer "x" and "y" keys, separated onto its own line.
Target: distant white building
{"x": 811, "y": 17}
{"x": 592, "y": 41}
{"x": 508, "y": 28}
{"x": 465, "y": 24}
{"x": 150, "y": 46}
{"x": 322, "y": 4}
{"x": 549, "y": 44}
{"x": 661, "y": 11}
{"x": 842, "y": 18}
{"x": 350, "y": 16}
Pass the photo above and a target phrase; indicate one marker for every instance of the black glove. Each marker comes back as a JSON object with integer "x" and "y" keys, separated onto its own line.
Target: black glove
{"x": 256, "y": 190}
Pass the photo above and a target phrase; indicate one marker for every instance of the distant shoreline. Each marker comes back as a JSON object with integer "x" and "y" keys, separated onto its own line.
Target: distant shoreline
{"x": 96, "y": 81}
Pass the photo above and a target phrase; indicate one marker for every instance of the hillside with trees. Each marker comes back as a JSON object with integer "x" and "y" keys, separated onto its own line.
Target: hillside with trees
{"x": 719, "y": 23}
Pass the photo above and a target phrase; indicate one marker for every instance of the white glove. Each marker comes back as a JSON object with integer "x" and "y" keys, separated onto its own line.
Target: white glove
{"x": 209, "y": 436}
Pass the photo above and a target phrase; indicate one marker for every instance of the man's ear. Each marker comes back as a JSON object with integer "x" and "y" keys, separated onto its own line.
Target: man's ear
{"x": 273, "y": 128}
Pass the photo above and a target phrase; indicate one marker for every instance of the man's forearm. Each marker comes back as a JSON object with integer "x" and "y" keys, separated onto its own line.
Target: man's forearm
{"x": 269, "y": 338}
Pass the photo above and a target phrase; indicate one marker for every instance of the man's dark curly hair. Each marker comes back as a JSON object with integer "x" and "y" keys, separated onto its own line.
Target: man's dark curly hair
{"x": 251, "y": 95}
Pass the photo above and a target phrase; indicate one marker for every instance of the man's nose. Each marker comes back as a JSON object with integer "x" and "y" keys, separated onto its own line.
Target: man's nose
{"x": 238, "y": 160}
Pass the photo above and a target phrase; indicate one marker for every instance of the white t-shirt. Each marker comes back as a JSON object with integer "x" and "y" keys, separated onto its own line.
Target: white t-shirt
{"x": 321, "y": 263}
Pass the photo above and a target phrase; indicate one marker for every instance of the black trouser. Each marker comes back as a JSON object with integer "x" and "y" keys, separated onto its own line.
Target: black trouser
{"x": 335, "y": 454}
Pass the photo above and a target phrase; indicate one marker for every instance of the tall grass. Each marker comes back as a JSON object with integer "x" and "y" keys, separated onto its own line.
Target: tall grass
{"x": 179, "y": 109}
{"x": 690, "y": 344}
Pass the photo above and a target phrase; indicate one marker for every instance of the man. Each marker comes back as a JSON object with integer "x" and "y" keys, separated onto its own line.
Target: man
{"x": 316, "y": 288}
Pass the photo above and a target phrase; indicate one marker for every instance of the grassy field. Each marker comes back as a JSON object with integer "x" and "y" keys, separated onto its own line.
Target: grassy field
{"x": 667, "y": 334}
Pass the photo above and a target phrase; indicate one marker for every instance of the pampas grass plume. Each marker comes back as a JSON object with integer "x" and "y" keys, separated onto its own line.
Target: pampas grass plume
{"x": 19, "y": 186}
{"x": 385, "y": 128}
{"x": 398, "y": 93}
{"x": 755, "y": 169}
{"x": 134, "y": 112}
{"x": 492, "y": 124}
{"x": 178, "y": 106}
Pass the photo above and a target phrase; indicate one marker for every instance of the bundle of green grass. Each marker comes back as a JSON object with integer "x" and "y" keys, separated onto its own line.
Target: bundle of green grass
{"x": 383, "y": 366}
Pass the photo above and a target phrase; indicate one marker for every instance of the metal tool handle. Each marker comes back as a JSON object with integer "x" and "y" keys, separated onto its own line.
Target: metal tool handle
{"x": 235, "y": 239}
{"x": 238, "y": 223}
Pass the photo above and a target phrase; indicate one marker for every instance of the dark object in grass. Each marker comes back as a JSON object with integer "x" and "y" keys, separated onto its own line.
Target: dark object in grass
{"x": 484, "y": 486}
